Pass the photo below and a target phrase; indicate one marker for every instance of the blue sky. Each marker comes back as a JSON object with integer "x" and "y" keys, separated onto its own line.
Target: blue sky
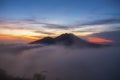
{"x": 59, "y": 11}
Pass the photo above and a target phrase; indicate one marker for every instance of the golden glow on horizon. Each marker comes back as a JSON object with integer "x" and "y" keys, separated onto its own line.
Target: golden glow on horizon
{"x": 27, "y": 30}
{"x": 83, "y": 33}
{"x": 18, "y": 32}
{"x": 32, "y": 30}
{"x": 11, "y": 37}
{"x": 7, "y": 37}
{"x": 32, "y": 35}
{"x": 37, "y": 31}
{"x": 98, "y": 40}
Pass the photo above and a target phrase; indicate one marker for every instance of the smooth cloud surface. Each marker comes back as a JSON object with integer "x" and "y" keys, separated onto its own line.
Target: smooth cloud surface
{"x": 61, "y": 62}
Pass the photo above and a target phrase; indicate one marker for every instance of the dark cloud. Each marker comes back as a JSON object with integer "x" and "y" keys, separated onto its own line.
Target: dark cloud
{"x": 63, "y": 27}
{"x": 13, "y": 28}
{"x": 112, "y": 35}
{"x": 55, "y": 26}
{"x": 101, "y": 22}
{"x": 33, "y": 21}
{"x": 44, "y": 32}
{"x": 47, "y": 25}
{"x": 8, "y": 22}
{"x": 91, "y": 23}
{"x": 29, "y": 21}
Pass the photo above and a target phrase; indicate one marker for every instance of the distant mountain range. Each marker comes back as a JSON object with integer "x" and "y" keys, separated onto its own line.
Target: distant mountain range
{"x": 67, "y": 39}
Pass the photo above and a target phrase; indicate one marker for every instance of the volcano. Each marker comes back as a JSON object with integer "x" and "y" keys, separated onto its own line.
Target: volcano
{"x": 66, "y": 39}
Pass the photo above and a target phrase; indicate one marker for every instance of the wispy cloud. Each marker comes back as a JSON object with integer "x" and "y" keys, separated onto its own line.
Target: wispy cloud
{"x": 55, "y": 26}
{"x": 40, "y": 28}
{"x": 34, "y": 22}
{"x": 44, "y": 32}
{"x": 15, "y": 27}
{"x": 101, "y": 22}
{"x": 20, "y": 21}
{"x": 66, "y": 27}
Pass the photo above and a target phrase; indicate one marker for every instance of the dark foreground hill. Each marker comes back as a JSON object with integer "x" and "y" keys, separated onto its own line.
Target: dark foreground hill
{"x": 67, "y": 40}
{"x": 5, "y": 76}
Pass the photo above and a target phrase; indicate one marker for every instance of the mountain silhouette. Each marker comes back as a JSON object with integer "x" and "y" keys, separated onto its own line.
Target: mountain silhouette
{"x": 46, "y": 40}
{"x": 66, "y": 39}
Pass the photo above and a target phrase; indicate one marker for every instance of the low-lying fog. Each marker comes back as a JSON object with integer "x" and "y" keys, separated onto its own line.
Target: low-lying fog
{"x": 61, "y": 63}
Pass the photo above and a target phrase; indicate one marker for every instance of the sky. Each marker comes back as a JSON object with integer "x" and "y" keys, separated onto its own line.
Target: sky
{"x": 34, "y": 19}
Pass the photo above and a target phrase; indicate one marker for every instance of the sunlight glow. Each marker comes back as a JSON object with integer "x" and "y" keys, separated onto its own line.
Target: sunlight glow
{"x": 98, "y": 40}
{"x": 18, "y": 33}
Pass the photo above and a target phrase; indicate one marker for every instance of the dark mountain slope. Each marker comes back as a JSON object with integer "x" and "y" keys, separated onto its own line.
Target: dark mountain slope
{"x": 67, "y": 40}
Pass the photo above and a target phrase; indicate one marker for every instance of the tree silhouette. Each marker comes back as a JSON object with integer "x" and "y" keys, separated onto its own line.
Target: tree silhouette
{"x": 38, "y": 76}
{"x": 5, "y": 76}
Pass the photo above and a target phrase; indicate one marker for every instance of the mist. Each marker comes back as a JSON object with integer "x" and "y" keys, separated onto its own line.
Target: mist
{"x": 60, "y": 62}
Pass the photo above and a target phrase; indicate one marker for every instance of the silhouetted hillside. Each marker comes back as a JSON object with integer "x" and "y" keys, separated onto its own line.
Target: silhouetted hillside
{"x": 46, "y": 40}
{"x": 67, "y": 39}
{"x": 5, "y": 76}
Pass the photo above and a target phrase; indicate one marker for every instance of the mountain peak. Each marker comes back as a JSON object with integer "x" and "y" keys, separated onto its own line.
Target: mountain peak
{"x": 67, "y": 39}
{"x": 45, "y": 40}
{"x": 67, "y": 34}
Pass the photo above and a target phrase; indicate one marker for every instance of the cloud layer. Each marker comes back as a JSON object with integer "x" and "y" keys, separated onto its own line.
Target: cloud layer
{"x": 61, "y": 62}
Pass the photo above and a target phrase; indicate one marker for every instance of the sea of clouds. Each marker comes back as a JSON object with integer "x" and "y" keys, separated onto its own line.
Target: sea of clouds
{"x": 60, "y": 62}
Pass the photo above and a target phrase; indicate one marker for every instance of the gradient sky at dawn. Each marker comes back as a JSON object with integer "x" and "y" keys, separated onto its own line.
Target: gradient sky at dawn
{"x": 33, "y": 19}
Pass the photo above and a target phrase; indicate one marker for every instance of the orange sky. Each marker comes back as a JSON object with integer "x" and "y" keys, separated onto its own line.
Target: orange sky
{"x": 32, "y": 38}
{"x": 28, "y": 34}
{"x": 18, "y": 39}
{"x": 98, "y": 40}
